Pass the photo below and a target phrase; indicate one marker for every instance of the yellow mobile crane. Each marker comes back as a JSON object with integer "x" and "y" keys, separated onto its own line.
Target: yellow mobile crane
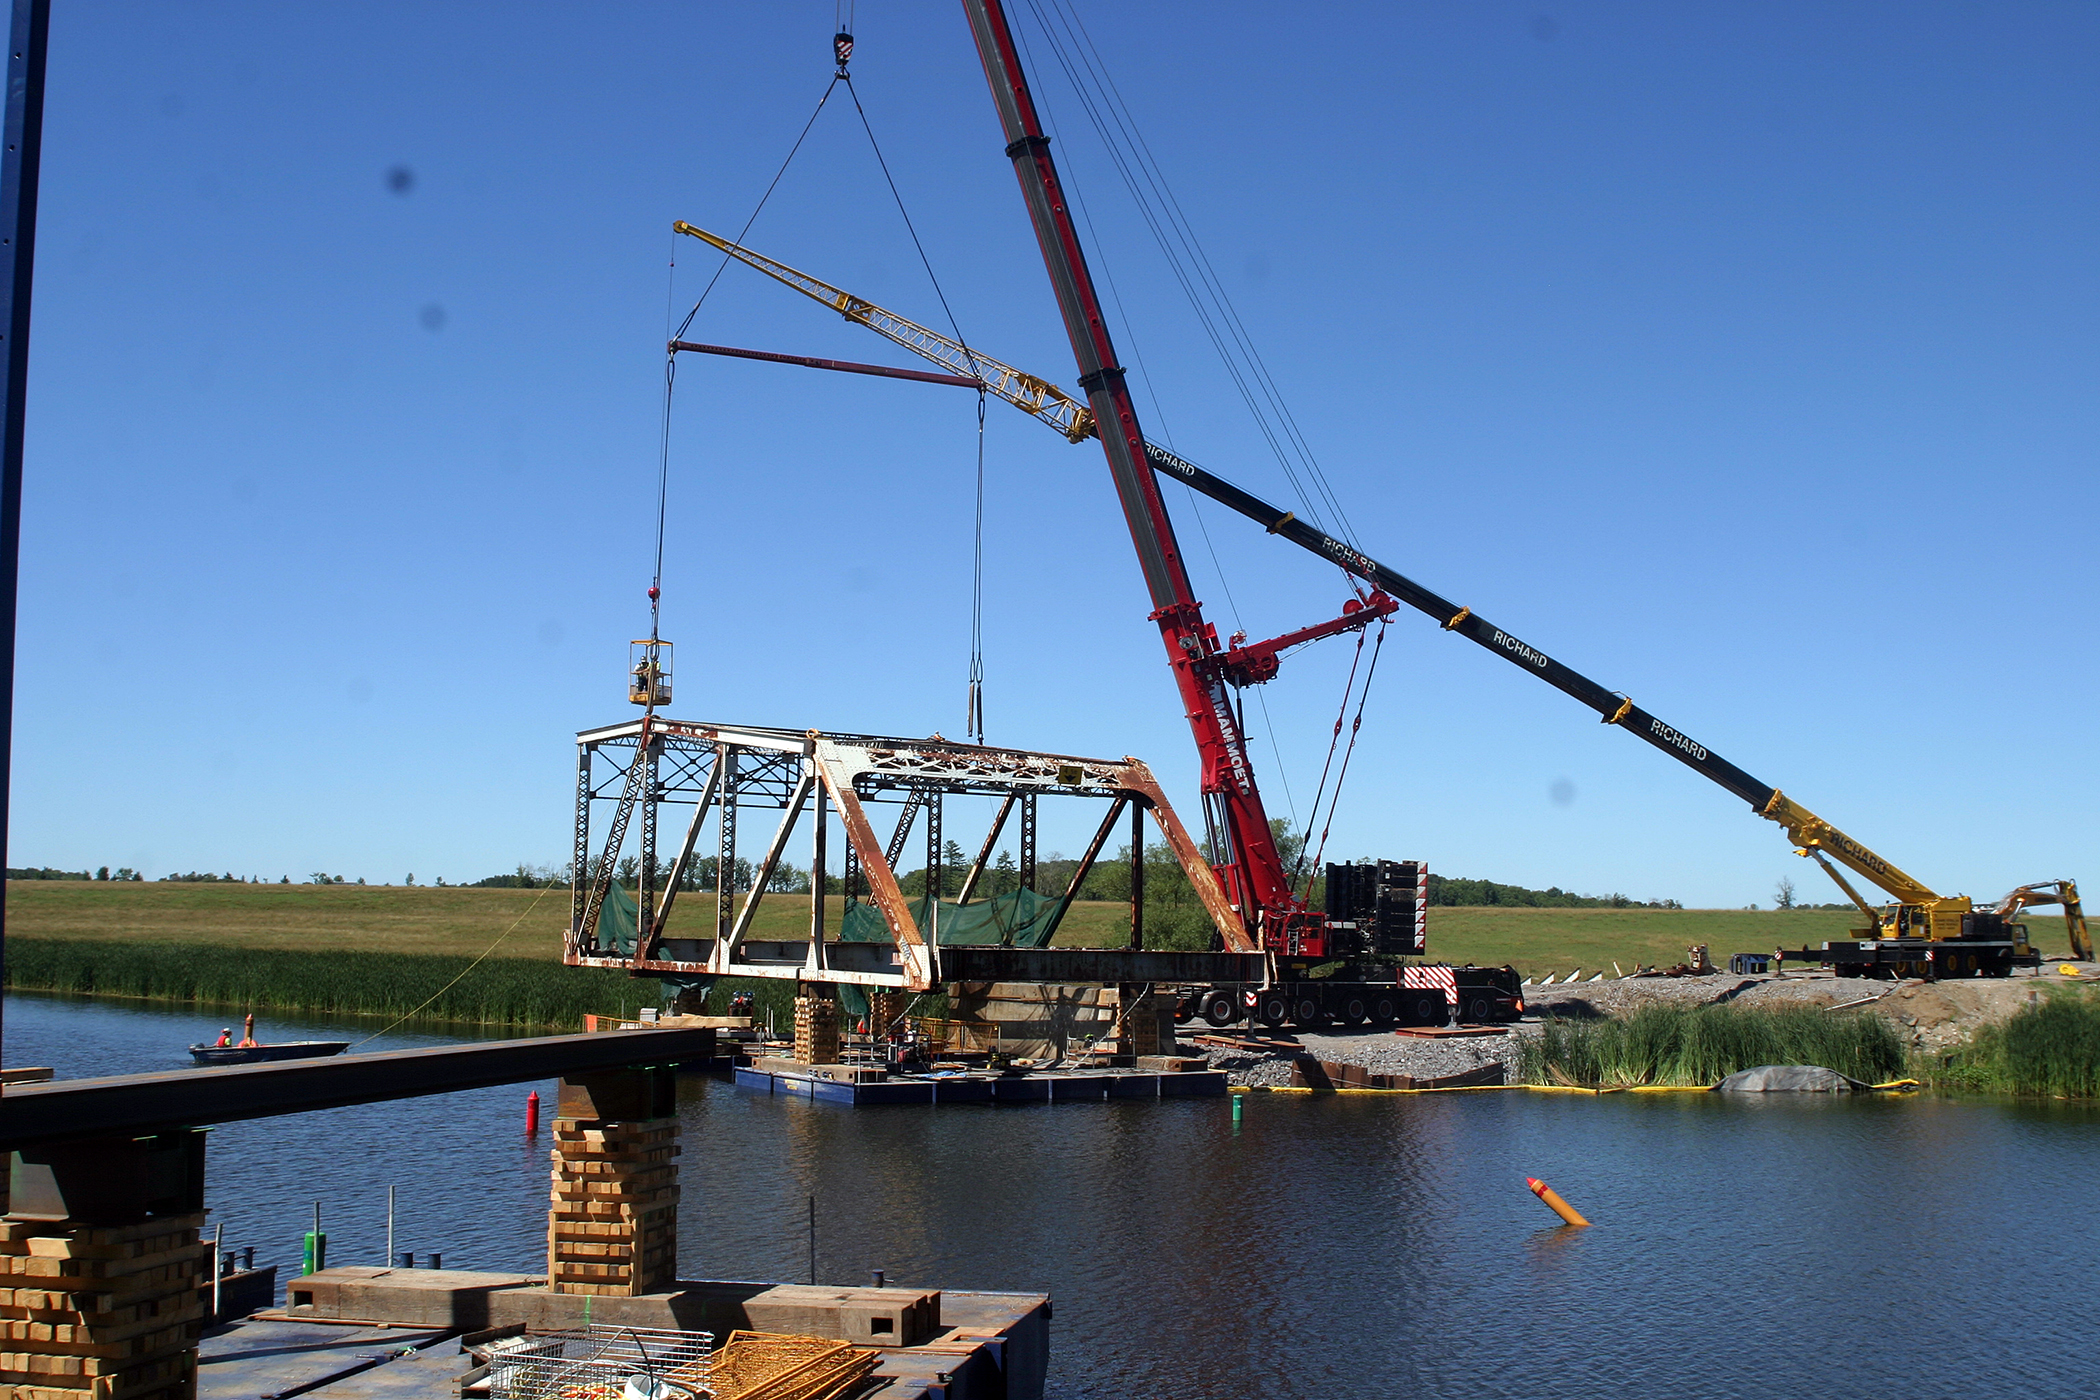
{"x": 1920, "y": 933}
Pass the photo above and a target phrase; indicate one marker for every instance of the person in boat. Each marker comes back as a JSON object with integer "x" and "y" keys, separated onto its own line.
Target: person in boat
{"x": 225, "y": 1039}
{"x": 248, "y": 1040}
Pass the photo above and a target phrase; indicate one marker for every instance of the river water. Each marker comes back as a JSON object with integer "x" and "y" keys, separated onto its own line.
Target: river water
{"x": 1351, "y": 1245}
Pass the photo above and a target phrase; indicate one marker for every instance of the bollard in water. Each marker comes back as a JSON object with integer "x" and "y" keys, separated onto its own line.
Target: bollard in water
{"x": 1239, "y": 1108}
{"x": 878, "y": 1278}
{"x": 315, "y": 1255}
{"x": 408, "y": 1259}
{"x": 1553, "y": 1201}
{"x": 437, "y": 1261}
{"x": 532, "y": 1114}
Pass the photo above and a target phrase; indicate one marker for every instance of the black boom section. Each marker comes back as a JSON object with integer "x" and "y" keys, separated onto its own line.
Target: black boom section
{"x": 1610, "y": 707}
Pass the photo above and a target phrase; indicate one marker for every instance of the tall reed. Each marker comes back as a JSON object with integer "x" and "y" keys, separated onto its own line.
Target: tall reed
{"x": 1703, "y": 1045}
{"x": 2050, "y": 1049}
{"x": 501, "y": 991}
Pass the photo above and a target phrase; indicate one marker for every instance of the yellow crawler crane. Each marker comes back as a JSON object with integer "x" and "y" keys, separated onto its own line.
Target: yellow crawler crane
{"x": 1919, "y": 933}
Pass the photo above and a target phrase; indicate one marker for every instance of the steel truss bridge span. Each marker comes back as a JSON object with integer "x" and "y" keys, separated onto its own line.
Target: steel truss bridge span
{"x": 812, "y": 778}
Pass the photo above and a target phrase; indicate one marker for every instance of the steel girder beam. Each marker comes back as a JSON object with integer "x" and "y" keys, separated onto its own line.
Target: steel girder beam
{"x": 137, "y": 1104}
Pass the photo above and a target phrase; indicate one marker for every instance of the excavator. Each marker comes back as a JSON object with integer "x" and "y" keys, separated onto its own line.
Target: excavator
{"x": 1916, "y": 933}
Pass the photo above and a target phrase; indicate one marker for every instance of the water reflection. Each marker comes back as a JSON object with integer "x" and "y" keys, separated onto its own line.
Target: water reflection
{"x": 1743, "y": 1246}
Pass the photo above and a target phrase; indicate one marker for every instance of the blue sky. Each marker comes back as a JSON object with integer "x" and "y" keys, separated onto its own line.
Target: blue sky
{"x": 1741, "y": 356}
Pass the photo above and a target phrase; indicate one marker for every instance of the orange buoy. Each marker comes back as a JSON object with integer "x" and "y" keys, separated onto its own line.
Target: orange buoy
{"x": 1552, "y": 1199}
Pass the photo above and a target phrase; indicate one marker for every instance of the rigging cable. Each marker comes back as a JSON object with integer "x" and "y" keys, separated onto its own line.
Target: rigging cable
{"x": 1335, "y": 800}
{"x": 973, "y": 722}
{"x": 1115, "y": 292}
{"x": 975, "y": 726}
{"x": 663, "y": 465}
{"x": 1192, "y": 268}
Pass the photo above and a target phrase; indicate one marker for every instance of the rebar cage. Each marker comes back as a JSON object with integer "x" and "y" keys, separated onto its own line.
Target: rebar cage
{"x": 603, "y": 1362}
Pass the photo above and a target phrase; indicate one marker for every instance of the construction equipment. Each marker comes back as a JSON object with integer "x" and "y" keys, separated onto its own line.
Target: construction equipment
{"x": 1919, "y": 933}
{"x": 1898, "y": 939}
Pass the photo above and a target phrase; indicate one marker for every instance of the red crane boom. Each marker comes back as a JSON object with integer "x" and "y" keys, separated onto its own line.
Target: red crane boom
{"x": 1245, "y": 851}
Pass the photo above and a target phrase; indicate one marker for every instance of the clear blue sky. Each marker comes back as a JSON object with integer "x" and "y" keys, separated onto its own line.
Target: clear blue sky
{"x": 1742, "y": 356}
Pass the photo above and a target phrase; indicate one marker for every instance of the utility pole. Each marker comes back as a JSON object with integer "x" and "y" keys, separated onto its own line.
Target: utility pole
{"x": 18, "y": 177}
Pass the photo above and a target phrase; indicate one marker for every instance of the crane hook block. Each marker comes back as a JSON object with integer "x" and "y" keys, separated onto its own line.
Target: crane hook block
{"x": 842, "y": 48}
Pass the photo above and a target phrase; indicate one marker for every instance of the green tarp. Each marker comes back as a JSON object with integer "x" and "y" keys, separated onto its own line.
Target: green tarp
{"x": 1017, "y": 920}
{"x": 616, "y": 921}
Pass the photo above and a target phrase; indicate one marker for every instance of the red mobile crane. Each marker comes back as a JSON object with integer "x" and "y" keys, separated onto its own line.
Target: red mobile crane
{"x": 1243, "y": 849}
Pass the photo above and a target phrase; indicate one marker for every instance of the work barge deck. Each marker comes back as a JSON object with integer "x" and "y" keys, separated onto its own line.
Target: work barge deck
{"x": 110, "y": 1287}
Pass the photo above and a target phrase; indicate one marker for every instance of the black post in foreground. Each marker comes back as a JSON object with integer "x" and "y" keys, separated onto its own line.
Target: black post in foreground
{"x": 18, "y": 173}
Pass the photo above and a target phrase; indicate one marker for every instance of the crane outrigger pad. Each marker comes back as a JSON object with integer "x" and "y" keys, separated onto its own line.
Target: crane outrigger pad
{"x": 621, "y": 913}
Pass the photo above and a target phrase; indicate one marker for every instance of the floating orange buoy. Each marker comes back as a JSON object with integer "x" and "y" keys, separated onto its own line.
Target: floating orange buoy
{"x": 1552, "y": 1198}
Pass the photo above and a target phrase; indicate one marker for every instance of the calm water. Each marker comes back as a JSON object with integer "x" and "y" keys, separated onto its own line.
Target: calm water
{"x": 1339, "y": 1246}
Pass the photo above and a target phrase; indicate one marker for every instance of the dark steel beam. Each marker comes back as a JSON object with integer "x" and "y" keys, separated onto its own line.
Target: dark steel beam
{"x": 18, "y": 184}
{"x": 847, "y": 366}
{"x": 137, "y": 1104}
{"x": 966, "y": 963}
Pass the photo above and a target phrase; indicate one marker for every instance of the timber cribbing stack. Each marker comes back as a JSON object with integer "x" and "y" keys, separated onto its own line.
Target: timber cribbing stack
{"x": 93, "y": 1312}
{"x": 612, "y": 1226}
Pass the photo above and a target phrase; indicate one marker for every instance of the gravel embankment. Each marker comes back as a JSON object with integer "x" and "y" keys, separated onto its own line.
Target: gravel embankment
{"x": 1931, "y": 1016}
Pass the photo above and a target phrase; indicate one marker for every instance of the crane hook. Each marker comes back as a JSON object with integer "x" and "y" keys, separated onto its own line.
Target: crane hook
{"x": 842, "y": 49}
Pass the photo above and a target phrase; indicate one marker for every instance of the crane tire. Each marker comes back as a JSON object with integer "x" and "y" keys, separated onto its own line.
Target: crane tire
{"x": 1479, "y": 1010}
{"x": 1355, "y": 1011}
{"x": 1385, "y": 1010}
{"x": 1430, "y": 1010}
{"x": 1273, "y": 1010}
{"x": 1221, "y": 1009}
{"x": 1307, "y": 1012}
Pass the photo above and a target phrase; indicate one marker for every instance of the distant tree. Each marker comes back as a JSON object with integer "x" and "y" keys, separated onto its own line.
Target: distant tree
{"x": 1783, "y": 894}
{"x": 360, "y": 879}
{"x": 127, "y": 873}
{"x": 102, "y": 873}
{"x": 954, "y": 866}
{"x": 411, "y": 878}
{"x": 284, "y": 879}
{"x": 1005, "y": 875}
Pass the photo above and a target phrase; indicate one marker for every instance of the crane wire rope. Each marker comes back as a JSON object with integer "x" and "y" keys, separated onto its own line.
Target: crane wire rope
{"x": 1076, "y": 190}
{"x": 973, "y": 722}
{"x": 663, "y": 463}
{"x": 1192, "y": 268}
{"x": 1334, "y": 801}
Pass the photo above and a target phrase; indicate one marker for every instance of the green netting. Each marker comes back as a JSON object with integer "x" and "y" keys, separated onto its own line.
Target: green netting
{"x": 616, "y": 921}
{"x": 1017, "y": 920}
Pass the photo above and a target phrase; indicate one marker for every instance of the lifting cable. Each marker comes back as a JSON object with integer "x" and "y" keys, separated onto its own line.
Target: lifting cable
{"x": 1159, "y": 417}
{"x": 1334, "y": 800}
{"x": 663, "y": 464}
{"x": 1104, "y": 106}
{"x": 973, "y": 723}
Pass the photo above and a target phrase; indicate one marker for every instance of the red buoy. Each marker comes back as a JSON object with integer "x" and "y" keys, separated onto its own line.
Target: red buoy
{"x": 532, "y": 1114}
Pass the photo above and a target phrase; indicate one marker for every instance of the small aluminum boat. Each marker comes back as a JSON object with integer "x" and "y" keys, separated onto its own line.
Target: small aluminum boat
{"x": 256, "y": 1054}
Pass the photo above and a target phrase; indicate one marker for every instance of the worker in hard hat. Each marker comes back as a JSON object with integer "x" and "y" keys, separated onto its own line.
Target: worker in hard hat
{"x": 225, "y": 1039}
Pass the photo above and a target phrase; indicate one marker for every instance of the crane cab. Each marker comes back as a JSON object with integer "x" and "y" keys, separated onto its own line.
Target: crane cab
{"x": 649, "y": 672}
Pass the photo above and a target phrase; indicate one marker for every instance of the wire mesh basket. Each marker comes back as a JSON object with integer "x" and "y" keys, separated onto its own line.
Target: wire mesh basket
{"x": 604, "y": 1362}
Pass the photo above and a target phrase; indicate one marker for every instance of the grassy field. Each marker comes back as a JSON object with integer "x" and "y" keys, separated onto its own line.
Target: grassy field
{"x": 370, "y": 918}
{"x": 380, "y": 919}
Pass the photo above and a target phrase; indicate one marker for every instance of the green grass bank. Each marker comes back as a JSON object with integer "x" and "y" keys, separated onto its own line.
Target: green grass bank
{"x": 1702, "y": 1045}
{"x": 529, "y": 993}
{"x": 2049, "y": 1050}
